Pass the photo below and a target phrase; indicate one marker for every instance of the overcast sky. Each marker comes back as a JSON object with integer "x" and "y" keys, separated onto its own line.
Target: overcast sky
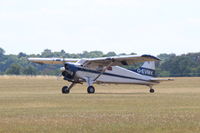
{"x": 123, "y": 26}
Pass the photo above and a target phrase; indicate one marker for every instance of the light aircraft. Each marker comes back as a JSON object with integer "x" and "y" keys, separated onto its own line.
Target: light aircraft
{"x": 106, "y": 70}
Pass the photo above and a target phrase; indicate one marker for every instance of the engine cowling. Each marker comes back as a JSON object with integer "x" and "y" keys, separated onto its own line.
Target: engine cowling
{"x": 69, "y": 71}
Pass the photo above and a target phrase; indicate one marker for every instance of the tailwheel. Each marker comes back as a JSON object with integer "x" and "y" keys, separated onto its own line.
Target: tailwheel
{"x": 90, "y": 89}
{"x": 151, "y": 90}
{"x": 65, "y": 90}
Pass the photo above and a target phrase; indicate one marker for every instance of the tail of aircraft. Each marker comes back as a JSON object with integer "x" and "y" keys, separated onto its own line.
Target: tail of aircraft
{"x": 147, "y": 69}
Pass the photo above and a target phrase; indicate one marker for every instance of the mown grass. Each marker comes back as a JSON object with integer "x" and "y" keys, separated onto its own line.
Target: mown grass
{"x": 35, "y": 104}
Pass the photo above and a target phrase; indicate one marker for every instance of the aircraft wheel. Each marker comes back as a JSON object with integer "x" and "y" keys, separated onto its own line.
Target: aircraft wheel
{"x": 65, "y": 90}
{"x": 90, "y": 89}
{"x": 151, "y": 90}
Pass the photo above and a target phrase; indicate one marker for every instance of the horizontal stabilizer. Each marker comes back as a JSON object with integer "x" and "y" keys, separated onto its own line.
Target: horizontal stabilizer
{"x": 161, "y": 79}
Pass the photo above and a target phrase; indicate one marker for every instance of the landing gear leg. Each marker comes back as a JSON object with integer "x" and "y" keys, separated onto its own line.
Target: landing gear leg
{"x": 66, "y": 89}
{"x": 90, "y": 88}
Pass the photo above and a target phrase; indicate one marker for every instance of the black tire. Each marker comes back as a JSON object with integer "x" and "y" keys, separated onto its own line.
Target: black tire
{"x": 91, "y": 89}
{"x": 65, "y": 90}
{"x": 151, "y": 90}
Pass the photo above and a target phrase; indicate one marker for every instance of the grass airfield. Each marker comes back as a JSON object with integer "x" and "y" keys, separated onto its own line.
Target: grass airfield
{"x": 35, "y": 104}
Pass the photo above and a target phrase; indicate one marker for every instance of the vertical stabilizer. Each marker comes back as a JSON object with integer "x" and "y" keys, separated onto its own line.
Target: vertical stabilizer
{"x": 147, "y": 69}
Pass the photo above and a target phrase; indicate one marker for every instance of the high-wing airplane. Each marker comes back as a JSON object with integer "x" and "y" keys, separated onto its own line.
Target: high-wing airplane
{"x": 106, "y": 70}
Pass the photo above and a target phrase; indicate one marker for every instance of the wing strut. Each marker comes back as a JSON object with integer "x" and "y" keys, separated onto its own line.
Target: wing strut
{"x": 104, "y": 69}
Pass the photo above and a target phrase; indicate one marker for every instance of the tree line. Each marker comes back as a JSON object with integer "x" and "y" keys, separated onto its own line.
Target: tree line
{"x": 171, "y": 65}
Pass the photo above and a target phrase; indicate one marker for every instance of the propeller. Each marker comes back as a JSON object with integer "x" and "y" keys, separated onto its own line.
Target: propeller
{"x": 62, "y": 69}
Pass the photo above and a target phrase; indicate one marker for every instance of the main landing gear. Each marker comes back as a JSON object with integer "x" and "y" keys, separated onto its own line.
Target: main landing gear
{"x": 90, "y": 89}
{"x": 66, "y": 89}
{"x": 151, "y": 89}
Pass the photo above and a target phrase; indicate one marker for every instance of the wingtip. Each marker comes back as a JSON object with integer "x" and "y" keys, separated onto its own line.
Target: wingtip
{"x": 29, "y": 59}
{"x": 151, "y": 56}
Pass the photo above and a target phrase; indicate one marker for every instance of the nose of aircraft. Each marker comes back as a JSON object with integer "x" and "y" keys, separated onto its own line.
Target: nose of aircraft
{"x": 62, "y": 69}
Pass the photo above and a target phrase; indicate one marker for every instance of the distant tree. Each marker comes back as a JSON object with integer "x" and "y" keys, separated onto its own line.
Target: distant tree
{"x": 163, "y": 74}
{"x": 2, "y": 52}
{"x": 47, "y": 53}
{"x": 30, "y": 70}
{"x": 91, "y": 54}
{"x": 110, "y": 54}
{"x": 2, "y": 57}
{"x": 122, "y": 54}
{"x": 21, "y": 54}
{"x": 85, "y": 54}
{"x": 178, "y": 66}
{"x": 166, "y": 56}
{"x": 133, "y": 53}
{"x": 94, "y": 54}
{"x": 62, "y": 51}
{"x": 14, "y": 69}
{"x": 195, "y": 71}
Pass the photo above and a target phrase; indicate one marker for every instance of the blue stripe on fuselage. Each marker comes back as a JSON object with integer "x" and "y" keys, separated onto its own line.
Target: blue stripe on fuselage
{"x": 110, "y": 74}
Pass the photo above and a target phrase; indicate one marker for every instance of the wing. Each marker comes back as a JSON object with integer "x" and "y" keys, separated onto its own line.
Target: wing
{"x": 116, "y": 60}
{"x": 94, "y": 62}
{"x": 52, "y": 60}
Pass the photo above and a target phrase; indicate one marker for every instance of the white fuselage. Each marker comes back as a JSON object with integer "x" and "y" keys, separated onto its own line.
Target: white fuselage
{"x": 117, "y": 75}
